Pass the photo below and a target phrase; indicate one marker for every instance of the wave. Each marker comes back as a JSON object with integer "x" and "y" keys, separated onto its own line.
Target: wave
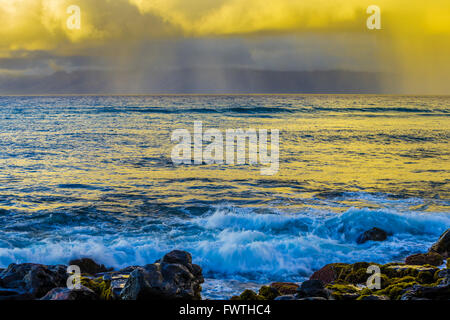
{"x": 255, "y": 110}
{"x": 237, "y": 243}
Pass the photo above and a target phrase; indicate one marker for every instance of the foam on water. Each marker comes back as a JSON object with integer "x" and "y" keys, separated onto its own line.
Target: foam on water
{"x": 245, "y": 245}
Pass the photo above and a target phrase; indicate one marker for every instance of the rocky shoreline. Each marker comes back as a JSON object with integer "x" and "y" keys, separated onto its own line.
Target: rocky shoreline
{"x": 423, "y": 276}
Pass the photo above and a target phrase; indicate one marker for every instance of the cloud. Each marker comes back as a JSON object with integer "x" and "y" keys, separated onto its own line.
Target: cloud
{"x": 128, "y": 34}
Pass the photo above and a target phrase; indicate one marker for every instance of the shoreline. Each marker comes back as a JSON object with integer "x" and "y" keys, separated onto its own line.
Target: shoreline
{"x": 423, "y": 276}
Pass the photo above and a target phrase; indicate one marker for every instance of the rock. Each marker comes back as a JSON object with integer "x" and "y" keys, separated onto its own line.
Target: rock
{"x": 418, "y": 292}
{"x": 14, "y": 294}
{"x": 88, "y": 266}
{"x": 268, "y": 293}
{"x": 374, "y": 234}
{"x": 374, "y": 298}
{"x": 442, "y": 246}
{"x": 329, "y": 273}
{"x": 312, "y": 288}
{"x": 177, "y": 257}
{"x": 445, "y": 276}
{"x": 285, "y": 288}
{"x": 286, "y": 297}
{"x": 175, "y": 277}
{"x": 341, "y": 291}
{"x": 66, "y": 294}
{"x": 420, "y": 259}
{"x": 34, "y": 280}
{"x": 313, "y": 299}
{"x": 250, "y": 295}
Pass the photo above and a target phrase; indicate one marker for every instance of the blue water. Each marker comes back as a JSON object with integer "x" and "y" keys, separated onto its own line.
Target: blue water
{"x": 92, "y": 176}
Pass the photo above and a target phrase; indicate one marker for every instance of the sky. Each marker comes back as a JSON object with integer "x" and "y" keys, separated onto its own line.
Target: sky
{"x": 145, "y": 41}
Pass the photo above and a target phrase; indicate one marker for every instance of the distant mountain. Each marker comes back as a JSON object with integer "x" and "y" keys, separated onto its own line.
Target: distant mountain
{"x": 193, "y": 81}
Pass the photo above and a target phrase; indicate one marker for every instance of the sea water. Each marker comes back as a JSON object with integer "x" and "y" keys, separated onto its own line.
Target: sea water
{"x": 93, "y": 176}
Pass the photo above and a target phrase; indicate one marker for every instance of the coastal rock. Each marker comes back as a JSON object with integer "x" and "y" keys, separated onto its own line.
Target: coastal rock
{"x": 420, "y": 259}
{"x": 313, "y": 299}
{"x": 343, "y": 291}
{"x": 442, "y": 246}
{"x": 268, "y": 293}
{"x": 285, "y": 288}
{"x": 312, "y": 288}
{"x": 329, "y": 273}
{"x": 88, "y": 266}
{"x": 374, "y": 234}
{"x": 66, "y": 294}
{"x": 174, "y": 277}
{"x": 286, "y": 297}
{"x": 249, "y": 295}
{"x": 14, "y": 294}
{"x": 374, "y": 298}
{"x": 445, "y": 276}
{"x": 418, "y": 292}
{"x": 34, "y": 280}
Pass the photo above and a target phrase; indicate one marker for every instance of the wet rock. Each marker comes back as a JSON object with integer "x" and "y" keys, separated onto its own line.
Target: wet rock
{"x": 88, "y": 266}
{"x": 445, "y": 276}
{"x": 268, "y": 293}
{"x": 66, "y": 294}
{"x": 329, "y": 273}
{"x": 175, "y": 277}
{"x": 177, "y": 257}
{"x": 374, "y": 298}
{"x": 442, "y": 246}
{"x": 374, "y": 234}
{"x": 285, "y": 288}
{"x": 34, "y": 280}
{"x": 420, "y": 259}
{"x": 343, "y": 291}
{"x": 250, "y": 295}
{"x": 312, "y": 288}
{"x": 418, "y": 292}
{"x": 14, "y": 294}
{"x": 285, "y": 297}
{"x": 313, "y": 299}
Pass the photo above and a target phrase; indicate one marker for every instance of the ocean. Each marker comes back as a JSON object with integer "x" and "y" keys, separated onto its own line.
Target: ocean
{"x": 92, "y": 176}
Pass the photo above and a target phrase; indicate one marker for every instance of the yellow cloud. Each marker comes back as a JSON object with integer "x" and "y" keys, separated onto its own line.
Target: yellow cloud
{"x": 415, "y": 38}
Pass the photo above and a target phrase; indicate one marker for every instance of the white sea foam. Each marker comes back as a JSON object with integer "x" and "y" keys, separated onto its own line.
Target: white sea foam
{"x": 239, "y": 243}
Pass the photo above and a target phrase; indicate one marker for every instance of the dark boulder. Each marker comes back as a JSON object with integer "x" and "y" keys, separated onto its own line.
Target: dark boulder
{"x": 418, "y": 292}
{"x": 33, "y": 280}
{"x": 174, "y": 277}
{"x": 88, "y": 266}
{"x": 442, "y": 246}
{"x": 421, "y": 259}
{"x": 312, "y": 288}
{"x": 374, "y": 298}
{"x": 66, "y": 294}
{"x": 374, "y": 234}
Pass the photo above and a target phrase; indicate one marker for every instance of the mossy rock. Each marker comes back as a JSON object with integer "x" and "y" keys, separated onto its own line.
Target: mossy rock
{"x": 268, "y": 293}
{"x": 397, "y": 288}
{"x": 285, "y": 288}
{"x": 344, "y": 291}
{"x": 426, "y": 277}
{"x": 101, "y": 287}
{"x": 250, "y": 295}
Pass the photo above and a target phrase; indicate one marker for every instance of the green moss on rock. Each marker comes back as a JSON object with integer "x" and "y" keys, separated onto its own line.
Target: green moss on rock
{"x": 268, "y": 293}
{"x": 250, "y": 295}
{"x": 101, "y": 287}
